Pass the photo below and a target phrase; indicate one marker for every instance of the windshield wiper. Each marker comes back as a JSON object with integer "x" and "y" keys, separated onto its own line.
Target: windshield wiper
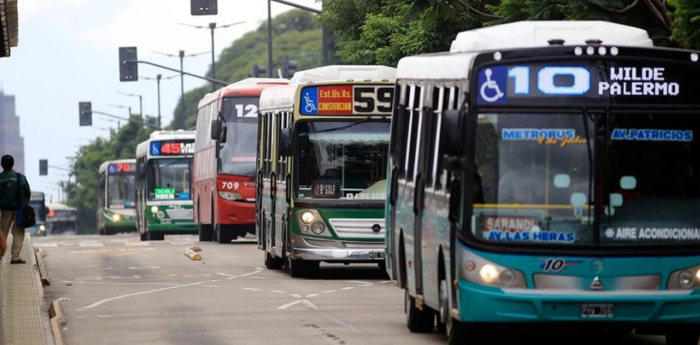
{"x": 586, "y": 116}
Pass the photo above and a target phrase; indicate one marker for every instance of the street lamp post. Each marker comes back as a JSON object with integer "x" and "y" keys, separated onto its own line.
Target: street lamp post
{"x": 212, "y": 27}
{"x": 122, "y": 107}
{"x": 158, "y": 79}
{"x": 140, "y": 102}
{"x": 182, "y": 56}
{"x": 269, "y": 31}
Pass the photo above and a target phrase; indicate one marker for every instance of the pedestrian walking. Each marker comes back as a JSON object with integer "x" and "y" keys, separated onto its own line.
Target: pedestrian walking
{"x": 14, "y": 193}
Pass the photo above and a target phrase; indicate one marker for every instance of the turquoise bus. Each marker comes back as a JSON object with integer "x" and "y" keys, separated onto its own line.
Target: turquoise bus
{"x": 547, "y": 174}
{"x": 38, "y": 202}
{"x": 164, "y": 185}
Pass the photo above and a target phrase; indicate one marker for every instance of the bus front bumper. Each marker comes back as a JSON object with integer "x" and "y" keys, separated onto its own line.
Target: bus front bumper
{"x": 339, "y": 255}
{"x": 493, "y": 305}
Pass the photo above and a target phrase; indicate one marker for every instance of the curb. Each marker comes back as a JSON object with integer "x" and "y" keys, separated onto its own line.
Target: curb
{"x": 58, "y": 319}
{"x": 191, "y": 252}
{"x": 43, "y": 273}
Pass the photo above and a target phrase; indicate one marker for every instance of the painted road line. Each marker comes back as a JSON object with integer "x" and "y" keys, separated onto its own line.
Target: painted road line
{"x": 91, "y": 244}
{"x": 294, "y": 295}
{"x": 101, "y": 302}
{"x": 329, "y": 291}
{"x": 46, "y": 245}
{"x": 143, "y": 267}
{"x": 348, "y": 288}
{"x": 289, "y": 304}
{"x": 366, "y": 285}
{"x": 279, "y": 292}
{"x": 251, "y": 289}
{"x": 134, "y": 244}
{"x": 308, "y": 304}
{"x": 312, "y": 295}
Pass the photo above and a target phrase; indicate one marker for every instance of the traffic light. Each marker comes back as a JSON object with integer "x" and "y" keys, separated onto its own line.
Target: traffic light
{"x": 203, "y": 7}
{"x": 85, "y": 109}
{"x": 128, "y": 67}
{"x": 43, "y": 167}
{"x": 258, "y": 70}
{"x": 287, "y": 67}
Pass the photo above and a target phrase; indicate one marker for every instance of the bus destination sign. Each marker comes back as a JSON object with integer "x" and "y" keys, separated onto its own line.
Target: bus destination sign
{"x": 172, "y": 148}
{"x": 346, "y": 100}
{"x": 628, "y": 81}
{"x": 121, "y": 168}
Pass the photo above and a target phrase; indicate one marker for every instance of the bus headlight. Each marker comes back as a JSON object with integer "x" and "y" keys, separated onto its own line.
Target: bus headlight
{"x": 481, "y": 271}
{"x": 318, "y": 228}
{"x": 688, "y": 278}
{"x": 117, "y": 217}
{"x": 307, "y": 217}
{"x": 154, "y": 209}
{"x": 230, "y": 196}
{"x": 42, "y": 228}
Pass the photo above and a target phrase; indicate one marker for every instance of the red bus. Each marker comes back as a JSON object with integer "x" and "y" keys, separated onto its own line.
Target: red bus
{"x": 224, "y": 160}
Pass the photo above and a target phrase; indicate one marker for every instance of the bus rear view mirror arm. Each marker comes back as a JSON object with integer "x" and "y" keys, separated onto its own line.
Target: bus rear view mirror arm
{"x": 450, "y": 132}
{"x": 284, "y": 142}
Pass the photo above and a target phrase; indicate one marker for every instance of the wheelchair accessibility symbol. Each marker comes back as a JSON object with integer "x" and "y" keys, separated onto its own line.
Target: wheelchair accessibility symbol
{"x": 310, "y": 105}
{"x": 490, "y": 91}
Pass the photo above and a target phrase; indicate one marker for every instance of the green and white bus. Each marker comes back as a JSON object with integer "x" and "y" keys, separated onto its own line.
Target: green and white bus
{"x": 321, "y": 167}
{"x": 164, "y": 185}
{"x": 116, "y": 197}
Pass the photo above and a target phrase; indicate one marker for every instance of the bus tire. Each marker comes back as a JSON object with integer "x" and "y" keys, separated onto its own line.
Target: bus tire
{"x": 205, "y": 232}
{"x": 687, "y": 337}
{"x": 303, "y": 268}
{"x": 418, "y": 321}
{"x": 223, "y": 234}
{"x": 273, "y": 263}
{"x": 457, "y": 333}
{"x": 143, "y": 236}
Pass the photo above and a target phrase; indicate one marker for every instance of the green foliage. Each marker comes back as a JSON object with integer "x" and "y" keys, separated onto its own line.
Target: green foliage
{"x": 686, "y": 23}
{"x": 86, "y": 162}
{"x": 296, "y": 35}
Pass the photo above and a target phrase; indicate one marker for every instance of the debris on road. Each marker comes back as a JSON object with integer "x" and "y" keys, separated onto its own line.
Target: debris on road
{"x": 191, "y": 252}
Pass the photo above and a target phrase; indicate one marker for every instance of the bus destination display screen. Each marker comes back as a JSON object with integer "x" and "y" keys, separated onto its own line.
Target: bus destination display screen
{"x": 625, "y": 81}
{"x": 121, "y": 168}
{"x": 172, "y": 148}
{"x": 346, "y": 100}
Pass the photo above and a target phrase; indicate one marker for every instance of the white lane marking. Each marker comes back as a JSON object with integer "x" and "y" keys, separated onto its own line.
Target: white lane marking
{"x": 308, "y": 304}
{"x": 98, "y": 303}
{"x": 231, "y": 277}
{"x": 215, "y": 286}
{"x": 136, "y": 244}
{"x": 46, "y": 245}
{"x": 179, "y": 243}
{"x": 294, "y": 295}
{"x": 196, "y": 275}
{"x": 143, "y": 268}
{"x": 100, "y": 283}
{"x": 289, "y": 304}
{"x": 348, "y": 288}
{"x": 312, "y": 295}
{"x": 251, "y": 289}
{"x": 358, "y": 282}
{"x": 329, "y": 291}
{"x": 385, "y": 282}
{"x": 214, "y": 281}
{"x": 278, "y": 291}
{"x": 350, "y": 327}
{"x": 367, "y": 285}
{"x": 91, "y": 244}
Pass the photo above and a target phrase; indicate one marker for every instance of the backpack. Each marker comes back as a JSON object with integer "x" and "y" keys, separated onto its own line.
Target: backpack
{"x": 25, "y": 216}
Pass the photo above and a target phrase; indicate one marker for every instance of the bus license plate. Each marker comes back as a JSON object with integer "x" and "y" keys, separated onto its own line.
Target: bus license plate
{"x": 166, "y": 221}
{"x": 597, "y": 310}
{"x": 376, "y": 255}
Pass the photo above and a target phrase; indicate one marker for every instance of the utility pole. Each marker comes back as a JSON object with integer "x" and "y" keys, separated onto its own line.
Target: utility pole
{"x": 212, "y": 27}
{"x": 158, "y": 78}
{"x": 140, "y": 102}
{"x": 269, "y": 31}
{"x": 269, "y": 39}
{"x": 181, "y": 55}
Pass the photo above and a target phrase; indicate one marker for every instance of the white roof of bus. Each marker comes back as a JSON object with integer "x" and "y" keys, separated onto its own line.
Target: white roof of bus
{"x": 344, "y": 72}
{"x": 524, "y": 34}
{"x": 282, "y": 97}
{"x": 142, "y": 147}
{"x": 58, "y": 206}
{"x": 103, "y": 166}
{"x": 211, "y": 96}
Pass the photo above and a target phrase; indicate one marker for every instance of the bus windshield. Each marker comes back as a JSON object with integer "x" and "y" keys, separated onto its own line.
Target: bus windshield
{"x": 238, "y": 153}
{"x": 342, "y": 160}
{"x": 39, "y": 208}
{"x": 169, "y": 179}
{"x": 536, "y": 183}
{"x": 535, "y": 178}
{"x": 121, "y": 192}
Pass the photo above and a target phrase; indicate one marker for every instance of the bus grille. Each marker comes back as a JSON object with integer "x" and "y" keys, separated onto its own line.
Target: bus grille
{"x": 180, "y": 213}
{"x": 357, "y": 227}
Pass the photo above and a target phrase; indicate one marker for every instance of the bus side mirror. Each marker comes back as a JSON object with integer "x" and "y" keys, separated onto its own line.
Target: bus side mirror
{"x": 215, "y": 126}
{"x": 224, "y": 133}
{"x": 284, "y": 142}
{"x": 450, "y": 140}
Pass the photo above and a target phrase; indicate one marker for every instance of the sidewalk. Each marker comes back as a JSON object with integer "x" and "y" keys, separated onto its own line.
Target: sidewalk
{"x": 24, "y": 318}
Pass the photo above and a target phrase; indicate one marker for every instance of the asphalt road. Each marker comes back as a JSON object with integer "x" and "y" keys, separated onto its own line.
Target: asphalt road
{"x": 119, "y": 290}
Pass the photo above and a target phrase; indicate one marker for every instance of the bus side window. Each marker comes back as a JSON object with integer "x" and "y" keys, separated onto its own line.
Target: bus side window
{"x": 401, "y": 122}
{"x": 443, "y": 177}
{"x": 412, "y": 139}
{"x": 259, "y": 161}
{"x": 267, "y": 143}
{"x": 281, "y": 119}
{"x": 434, "y": 141}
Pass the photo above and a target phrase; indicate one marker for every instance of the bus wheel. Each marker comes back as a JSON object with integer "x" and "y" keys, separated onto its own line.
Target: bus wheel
{"x": 418, "y": 321}
{"x": 155, "y": 236}
{"x": 683, "y": 338}
{"x": 273, "y": 263}
{"x": 443, "y": 316}
{"x": 143, "y": 236}
{"x": 457, "y": 333}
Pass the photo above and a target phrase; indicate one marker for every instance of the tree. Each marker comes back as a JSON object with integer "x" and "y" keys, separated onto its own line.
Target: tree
{"x": 686, "y": 23}
{"x": 296, "y": 35}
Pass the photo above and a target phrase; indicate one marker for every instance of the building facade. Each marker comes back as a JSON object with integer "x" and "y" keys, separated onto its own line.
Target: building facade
{"x": 11, "y": 142}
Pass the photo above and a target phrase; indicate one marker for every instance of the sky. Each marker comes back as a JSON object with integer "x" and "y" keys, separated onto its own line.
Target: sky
{"x": 68, "y": 53}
